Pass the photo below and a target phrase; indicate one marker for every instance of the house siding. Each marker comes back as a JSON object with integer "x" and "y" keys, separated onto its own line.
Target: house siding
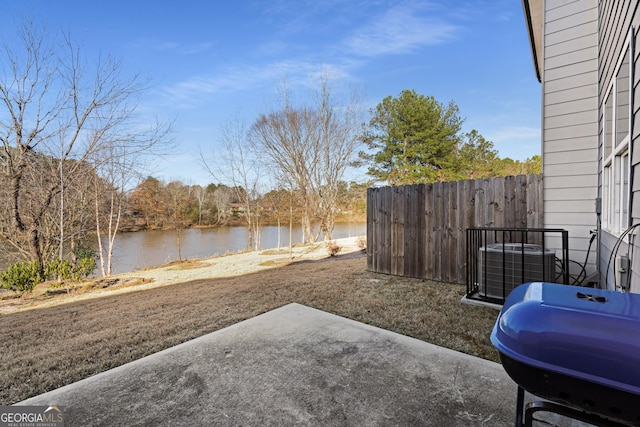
{"x": 635, "y": 141}
{"x": 570, "y": 122}
{"x": 616, "y": 18}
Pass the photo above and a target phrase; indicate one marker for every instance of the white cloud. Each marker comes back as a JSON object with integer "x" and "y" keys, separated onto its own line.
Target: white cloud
{"x": 396, "y": 30}
{"x": 189, "y": 92}
{"x": 195, "y": 48}
{"x": 401, "y": 30}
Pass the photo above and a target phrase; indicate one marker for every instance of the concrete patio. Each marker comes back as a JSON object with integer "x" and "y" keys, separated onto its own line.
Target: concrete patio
{"x": 294, "y": 366}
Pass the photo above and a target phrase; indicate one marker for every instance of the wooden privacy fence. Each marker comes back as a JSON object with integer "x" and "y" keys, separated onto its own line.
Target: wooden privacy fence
{"x": 419, "y": 230}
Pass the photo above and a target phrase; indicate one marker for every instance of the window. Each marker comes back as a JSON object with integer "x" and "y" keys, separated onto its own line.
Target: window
{"x": 616, "y": 135}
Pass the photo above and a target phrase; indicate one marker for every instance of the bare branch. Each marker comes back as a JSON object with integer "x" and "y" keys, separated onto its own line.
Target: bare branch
{"x": 311, "y": 147}
{"x": 63, "y": 121}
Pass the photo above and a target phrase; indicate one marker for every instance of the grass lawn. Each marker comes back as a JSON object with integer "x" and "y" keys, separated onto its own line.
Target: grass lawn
{"x": 46, "y": 348}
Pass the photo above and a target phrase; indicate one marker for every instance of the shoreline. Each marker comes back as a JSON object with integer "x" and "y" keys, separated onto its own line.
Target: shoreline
{"x": 222, "y": 266}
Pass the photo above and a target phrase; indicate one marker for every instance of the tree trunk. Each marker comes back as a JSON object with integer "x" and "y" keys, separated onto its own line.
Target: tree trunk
{"x": 178, "y": 230}
{"x": 34, "y": 247}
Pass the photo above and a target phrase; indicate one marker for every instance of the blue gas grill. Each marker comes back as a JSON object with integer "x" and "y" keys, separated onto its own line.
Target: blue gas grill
{"x": 578, "y": 348}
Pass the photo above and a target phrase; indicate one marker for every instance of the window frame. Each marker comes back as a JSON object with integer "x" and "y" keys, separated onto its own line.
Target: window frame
{"x": 616, "y": 151}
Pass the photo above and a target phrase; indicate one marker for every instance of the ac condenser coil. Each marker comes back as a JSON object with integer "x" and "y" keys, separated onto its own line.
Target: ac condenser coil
{"x": 502, "y": 267}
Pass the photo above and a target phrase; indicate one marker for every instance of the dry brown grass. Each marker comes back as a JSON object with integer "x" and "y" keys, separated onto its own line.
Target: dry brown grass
{"x": 46, "y": 348}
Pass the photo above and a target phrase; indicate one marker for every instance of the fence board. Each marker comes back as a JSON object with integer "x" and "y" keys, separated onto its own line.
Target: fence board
{"x": 466, "y": 203}
{"x": 489, "y": 201}
{"x": 397, "y": 212}
{"x": 509, "y": 200}
{"x": 520, "y": 201}
{"x": 451, "y": 250}
{"x": 437, "y": 230}
{"x": 420, "y": 230}
{"x": 386, "y": 251}
{"x": 421, "y": 241}
{"x": 429, "y": 214}
{"x": 481, "y": 211}
{"x": 373, "y": 227}
{"x": 534, "y": 201}
{"x": 410, "y": 248}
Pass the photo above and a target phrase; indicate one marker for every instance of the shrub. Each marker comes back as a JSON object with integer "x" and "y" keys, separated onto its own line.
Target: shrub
{"x": 333, "y": 248}
{"x": 22, "y": 276}
{"x": 64, "y": 270}
{"x": 60, "y": 269}
{"x": 84, "y": 268}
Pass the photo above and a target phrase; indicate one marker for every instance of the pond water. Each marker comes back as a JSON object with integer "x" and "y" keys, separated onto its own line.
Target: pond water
{"x": 143, "y": 249}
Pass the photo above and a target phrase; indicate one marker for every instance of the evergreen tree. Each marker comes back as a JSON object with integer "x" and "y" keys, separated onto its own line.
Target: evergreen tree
{"x": 413, "y": 139}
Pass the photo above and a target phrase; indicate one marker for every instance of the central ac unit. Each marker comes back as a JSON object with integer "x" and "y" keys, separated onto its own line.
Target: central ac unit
{"x": 503, "y": 266}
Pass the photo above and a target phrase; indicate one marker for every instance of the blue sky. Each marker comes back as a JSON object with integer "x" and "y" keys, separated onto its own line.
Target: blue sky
{"x": 214, "y": 61}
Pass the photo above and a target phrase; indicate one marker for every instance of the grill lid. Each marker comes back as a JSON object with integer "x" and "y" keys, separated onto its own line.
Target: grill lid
{"x": 590, "y": 334}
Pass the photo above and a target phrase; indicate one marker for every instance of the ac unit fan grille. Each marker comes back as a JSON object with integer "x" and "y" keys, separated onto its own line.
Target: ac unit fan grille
{"x": 502, "y": 267}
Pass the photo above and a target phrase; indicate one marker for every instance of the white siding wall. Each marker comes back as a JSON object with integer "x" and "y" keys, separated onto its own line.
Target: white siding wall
{"x": 616, "y": 18}
{"x": 570, "y": 121}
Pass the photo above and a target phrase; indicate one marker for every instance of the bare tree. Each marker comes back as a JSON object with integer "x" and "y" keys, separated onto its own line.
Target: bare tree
{"x": 58, "y": 107}
{"x": 200, "y": 195}
{"x": 310, "y": 147}
{"x": 27, "y": 122}
{"x": 107, "y": 198}
{"x": 241, "y": 167}
{"x": 221, "y": 199}
{"x": 177, "y": 200}
{"x": 75, "y": 208}
{"x": 279, "y": 203}
{"x": 113, "y": 174}
{"x": 339, "y": 138}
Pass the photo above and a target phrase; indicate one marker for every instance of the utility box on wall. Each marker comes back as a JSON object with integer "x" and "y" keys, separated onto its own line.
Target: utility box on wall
{"x": 621, "y": 265}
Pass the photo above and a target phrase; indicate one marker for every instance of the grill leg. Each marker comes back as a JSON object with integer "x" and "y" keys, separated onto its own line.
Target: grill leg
{"x": 519, "y": 407}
